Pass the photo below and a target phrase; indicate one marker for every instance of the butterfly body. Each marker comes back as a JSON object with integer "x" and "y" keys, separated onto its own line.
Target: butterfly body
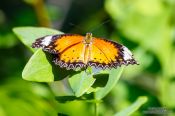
{"x": 73, "y": 51}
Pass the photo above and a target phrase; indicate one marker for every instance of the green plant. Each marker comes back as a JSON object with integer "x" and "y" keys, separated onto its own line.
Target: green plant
{"x": 70, "y": 85}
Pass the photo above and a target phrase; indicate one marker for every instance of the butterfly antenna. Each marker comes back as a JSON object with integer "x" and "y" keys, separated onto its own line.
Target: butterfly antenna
{"x": 75, "y": 26}
{"x": 98, "y": 26}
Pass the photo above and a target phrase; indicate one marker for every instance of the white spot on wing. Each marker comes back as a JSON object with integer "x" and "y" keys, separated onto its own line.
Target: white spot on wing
{"x": 46, "y": 41}
{"x": 127, "y": 53}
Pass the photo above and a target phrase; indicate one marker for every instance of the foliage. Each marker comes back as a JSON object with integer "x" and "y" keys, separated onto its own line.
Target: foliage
{"x": 144, "y": 26}
{"x": 40, "y": 69}
{"x": 128, "y": 111}
{"x": 150, "y": 28}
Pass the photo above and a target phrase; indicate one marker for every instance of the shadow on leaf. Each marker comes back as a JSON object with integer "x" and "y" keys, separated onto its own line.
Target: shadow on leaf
{"x": 101, "y": 80}
{"x": 59, "y": 73}
{"x": 64, "y": 99}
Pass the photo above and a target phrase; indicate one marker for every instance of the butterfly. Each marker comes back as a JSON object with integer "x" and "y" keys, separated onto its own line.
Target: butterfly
{"x": 72, "y": 51}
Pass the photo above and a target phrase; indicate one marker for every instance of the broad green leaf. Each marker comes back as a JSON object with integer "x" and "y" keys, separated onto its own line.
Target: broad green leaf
{"x": 134, "y": 107}
{"x": 29, "y": 34}
{"x": 61, "y": 88}
{"x": 38, "y": 68}
{"x": 114, "y": 75}
{"x": 81, "y": 82}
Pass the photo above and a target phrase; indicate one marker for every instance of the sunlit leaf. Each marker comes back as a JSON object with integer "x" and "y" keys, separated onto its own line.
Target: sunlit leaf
{"x": 114, "y": 75}
{"x": 134, "y": 107}
{"x": 81, "y": 82}
{"x": 29, "y": 34}
{"x": 61, "y": 88}
{"x": 38, "y": 68}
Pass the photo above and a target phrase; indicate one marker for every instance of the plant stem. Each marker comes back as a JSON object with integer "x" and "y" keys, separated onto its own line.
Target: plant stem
{"x": 96, "y": 108}
{"x": 41, "y": 13}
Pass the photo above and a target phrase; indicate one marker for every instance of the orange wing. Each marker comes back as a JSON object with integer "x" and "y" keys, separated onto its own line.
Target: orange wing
{"x": 72, "y": 57}
{"x": 68, "y": 49}
{"x": 67, "y": 41}
{"x": 108, "y": 54}
{"x": 72, "y": 51}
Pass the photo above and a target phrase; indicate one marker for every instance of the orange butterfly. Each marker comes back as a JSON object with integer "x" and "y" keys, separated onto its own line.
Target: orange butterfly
{"x": 75, "y": 51}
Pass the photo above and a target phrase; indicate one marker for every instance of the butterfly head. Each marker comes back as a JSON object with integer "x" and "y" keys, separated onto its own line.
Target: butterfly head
{"x": 88, "y": 38}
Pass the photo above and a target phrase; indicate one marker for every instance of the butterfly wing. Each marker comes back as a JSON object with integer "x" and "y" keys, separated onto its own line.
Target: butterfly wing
{"x": 68, "y": 49}
{"x": 109, "y": 54}
{"x": 72, "y": 57}
{"x": 71, "y": 52}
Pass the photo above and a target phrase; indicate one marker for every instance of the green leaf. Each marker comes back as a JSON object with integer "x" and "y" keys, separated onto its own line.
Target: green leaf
{"x": 64, "y": 88}
{"x": 38, "y": 68}
{"x": 114, "y": 75}
{"x": 28, "y": 35}
{"x": 81, "y": 82}
{"x": 134, "y": 107}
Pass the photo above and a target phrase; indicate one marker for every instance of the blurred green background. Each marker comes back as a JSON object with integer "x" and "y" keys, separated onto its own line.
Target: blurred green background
{"x": 147, "y": 27}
